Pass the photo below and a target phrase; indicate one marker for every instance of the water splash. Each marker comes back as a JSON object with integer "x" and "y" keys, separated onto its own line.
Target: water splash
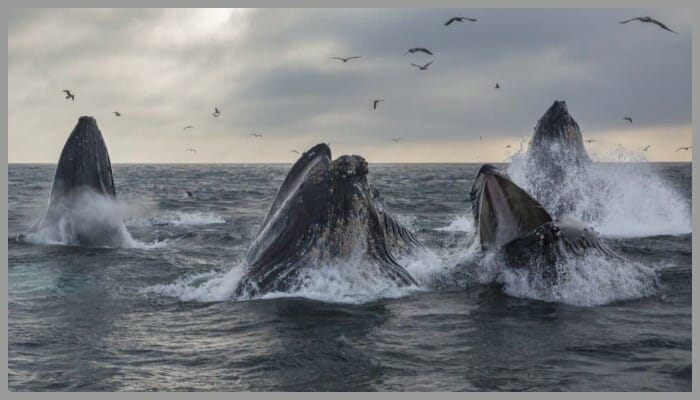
{"x": 586, "y": 281}
{"x": 622, "y": 199}
{"x": 91, "y": 220}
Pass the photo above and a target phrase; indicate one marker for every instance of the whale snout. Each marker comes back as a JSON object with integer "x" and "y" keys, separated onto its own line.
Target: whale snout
{"x": 349, "y": 167}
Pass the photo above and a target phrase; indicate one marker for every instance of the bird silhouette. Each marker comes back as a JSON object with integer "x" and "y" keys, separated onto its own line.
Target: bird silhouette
{"x": 396, "y": 140}
{"x": 375, "y": 102}
{"x": 646, "y": 148}
{"x": 459, "y": 19}
{"x": 216, "y": 112}
{"x": 192, "y": 150}
{"x": 508, "y": 147}
{"x": 497, "y": 86}
{"x": 345, "y": 59}
{"x": 256, "y": 135}
{"x": 591, "y": 141}
{"x": 684, "y": 148}
{"x": 649, "y": 20}
{"x": 188, "y": 127}
{"x": 294, "y": 151}
{"x": 422, "y": 67}
{"x": 117, "y": 113}
{"x": 628, "y": 119}
{"x": 419, "y": 49}
{"x": 69, "y": 95}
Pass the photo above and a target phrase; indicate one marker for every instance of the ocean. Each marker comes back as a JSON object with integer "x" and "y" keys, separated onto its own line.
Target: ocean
{"x": 157, "y": 314}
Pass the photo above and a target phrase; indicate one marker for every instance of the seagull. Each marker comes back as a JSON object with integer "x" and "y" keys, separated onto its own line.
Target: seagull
{"x": 396, "y": 139}
{"x": 684, "y": 148}
{"x": 255, "y": 135}
{"x": 459, "y": 19}
{"x": 192, "y": 150}
{"x": 117, "y": 113}
{"x": 69, "y": 95}
{"x": 508, "y": 147}
{"x": 646, "y": 148}
{"x": 345, "y": 59}
{"x": 375, "y": 102}
{"x": 591, "y": 141}
{"x": 628, "y": 119}
{"x": 422, "y": 67}
{"x": 187, "y": 127}
{"x": 497, "y": 86}
{"x": 216, "y": 112}
{"x": 416, "y": 49}
{"x": 648, "y": 20}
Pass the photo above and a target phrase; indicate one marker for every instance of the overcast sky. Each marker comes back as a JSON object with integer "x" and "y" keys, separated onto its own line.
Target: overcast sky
{"x": 269, "y": 72}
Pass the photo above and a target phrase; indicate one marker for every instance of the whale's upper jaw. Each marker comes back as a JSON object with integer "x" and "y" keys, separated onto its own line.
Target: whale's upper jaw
{"x": 84, "y": 162}
{"x": 557, "y": 110}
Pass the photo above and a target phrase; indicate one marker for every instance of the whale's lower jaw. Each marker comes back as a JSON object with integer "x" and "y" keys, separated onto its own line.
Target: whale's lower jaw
{"x": 552, "y": 243}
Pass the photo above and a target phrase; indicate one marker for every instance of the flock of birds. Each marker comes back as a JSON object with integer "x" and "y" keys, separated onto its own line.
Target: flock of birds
{"x": 216, "y": 113}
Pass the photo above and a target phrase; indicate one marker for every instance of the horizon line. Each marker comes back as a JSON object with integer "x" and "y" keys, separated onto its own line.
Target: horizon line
{"x": 376, "y": 162}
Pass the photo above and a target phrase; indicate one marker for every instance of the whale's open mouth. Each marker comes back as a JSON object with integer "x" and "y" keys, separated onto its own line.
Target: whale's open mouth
{"x": 503, "y": 211}
{"x": 325, "y": 211}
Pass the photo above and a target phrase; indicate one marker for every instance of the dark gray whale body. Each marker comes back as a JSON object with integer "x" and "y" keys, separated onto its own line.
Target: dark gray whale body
{"x": 555, "y": 157}
{"x": 83, "y": 172}
{"x": 511, "y": 221}
{"x": 324, "y": 211}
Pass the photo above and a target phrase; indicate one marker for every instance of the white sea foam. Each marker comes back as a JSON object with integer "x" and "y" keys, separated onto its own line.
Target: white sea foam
{"x": 177, "y": 218}
{"x": 586, "y": 281}
{"x": 352, "y": 280}
{"x": 460, "y": 223}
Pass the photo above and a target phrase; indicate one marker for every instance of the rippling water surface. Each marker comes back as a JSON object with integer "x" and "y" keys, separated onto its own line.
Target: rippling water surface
{"x": 157, "y": 313}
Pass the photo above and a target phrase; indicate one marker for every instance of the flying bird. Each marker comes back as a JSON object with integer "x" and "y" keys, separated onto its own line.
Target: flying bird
{"x": 345, "y": 59}
{"x": 646, "y": 148}
{"x": 216, "y": 112}
{"x": 628, "y": 119}
{"x": 417, "y": 49}
{"x": 117, "y": 113}
{"x": 294, "y": 151}
{"x": 375, "y": 102}
{"x": 422, "y": 67}
{"x": 188, "y": 127}
{"x": 649, "y": 20}
{"x": 396, "y": 139}
{"x": 192, "y": 150}
{"x": 508, "y": 147}
{"x": 591, "y": 141}
{"x": 684, "y": 148}
{"x": 497, "y": 86}
{"x": 459, "y": 19}
{"x": 256, "y": 135}
{"x": 69, "y": 95}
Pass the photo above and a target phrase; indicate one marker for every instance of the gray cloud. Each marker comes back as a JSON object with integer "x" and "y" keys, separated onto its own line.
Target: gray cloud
{"x": 269, "y": 71}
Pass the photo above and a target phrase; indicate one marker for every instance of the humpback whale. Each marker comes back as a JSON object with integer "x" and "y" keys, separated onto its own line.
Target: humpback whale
{"x": 325, "y": 211}
{"x": 83, "y": 175}
{"x": 555, "y": 157}
{"x": 510, "y": 221}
